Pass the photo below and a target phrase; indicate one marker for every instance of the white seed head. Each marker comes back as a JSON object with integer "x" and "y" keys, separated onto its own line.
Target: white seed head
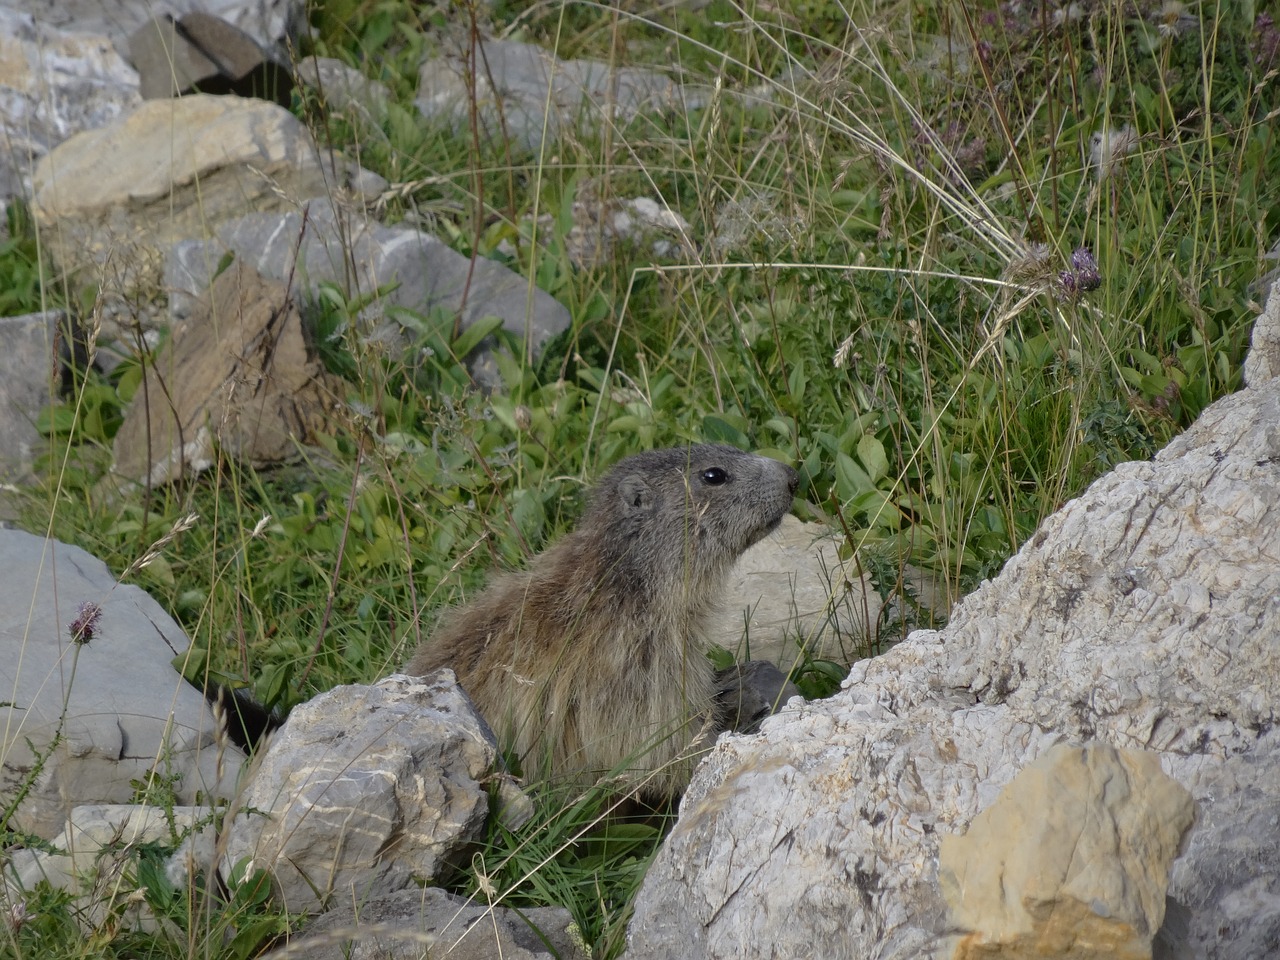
{"x": 1108, "y": 148}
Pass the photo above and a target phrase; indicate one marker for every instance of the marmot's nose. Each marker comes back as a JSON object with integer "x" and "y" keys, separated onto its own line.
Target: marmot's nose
{"x": 793, "y": 480}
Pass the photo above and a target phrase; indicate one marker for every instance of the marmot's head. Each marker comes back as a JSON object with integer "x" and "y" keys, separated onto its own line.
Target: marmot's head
{"x": 688, "y": 512}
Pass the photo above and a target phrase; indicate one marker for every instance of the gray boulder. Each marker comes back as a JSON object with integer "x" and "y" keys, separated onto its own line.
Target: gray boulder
{"x": 1143, "y": 616}
{"x": 366, "y": 790}
{"x": 54, "y": 83}
{"x": 363, "y": 256}
{"x": 414, "y": 923}
{"x": 525, "y": 92}
{"x": 85, "y": 720}
{"x": 269, "y": 22}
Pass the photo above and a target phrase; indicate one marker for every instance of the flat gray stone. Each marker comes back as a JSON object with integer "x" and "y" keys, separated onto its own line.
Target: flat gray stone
{"x": 122, "y": 711}
{"x": 414, "y": 923}
{"x": 429, "y": 274}
{"x": 526, "y": 92}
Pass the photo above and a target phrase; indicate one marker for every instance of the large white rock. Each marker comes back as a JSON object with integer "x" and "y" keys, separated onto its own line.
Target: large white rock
{"x": 1144, "y": 614}
{"x": 361, "y": 256}
{"x": 366, "y": 790}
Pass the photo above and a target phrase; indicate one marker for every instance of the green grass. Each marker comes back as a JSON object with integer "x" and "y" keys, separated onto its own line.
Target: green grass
{"x": 889, "y": 317}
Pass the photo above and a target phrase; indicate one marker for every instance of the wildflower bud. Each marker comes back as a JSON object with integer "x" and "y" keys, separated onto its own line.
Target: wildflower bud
{"x": 85, "y": 624}
{"x": 1082, "y": 259}
{"x": 18, "y": 916}
{"x": 1086, "y": 269}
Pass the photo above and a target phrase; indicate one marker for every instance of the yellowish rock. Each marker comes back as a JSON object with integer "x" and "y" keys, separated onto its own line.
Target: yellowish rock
{"x": 115, "y": 198}
{"x": 238, "y": 376}
{"x": 1071, "y": 861}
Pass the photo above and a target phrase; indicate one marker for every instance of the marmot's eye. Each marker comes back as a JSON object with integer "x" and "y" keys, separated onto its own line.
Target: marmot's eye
{"x": 714, "y": 476}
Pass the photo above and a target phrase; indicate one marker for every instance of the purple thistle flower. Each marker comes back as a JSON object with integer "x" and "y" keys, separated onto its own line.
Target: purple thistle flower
{"x": 1086, "y": 269}
{"x": 1082, "y": 259}
{"x": 85, "y": 625}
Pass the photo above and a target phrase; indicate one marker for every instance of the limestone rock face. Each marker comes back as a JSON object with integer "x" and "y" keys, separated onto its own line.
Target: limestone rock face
{"x": 1144, "y": 615}
{"x": 365, "y": 789}
{"x": 237, "y": 376}
{"x": 115, "y": 198}
{"x": 269, "y": 22}
{"x": 127, "y": 711}
{"x": 54, "y": 83}
{"x": 1072, "y": 857}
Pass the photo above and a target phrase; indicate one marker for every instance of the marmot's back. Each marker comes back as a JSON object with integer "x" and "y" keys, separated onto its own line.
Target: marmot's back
{"x": 594, "y": 659}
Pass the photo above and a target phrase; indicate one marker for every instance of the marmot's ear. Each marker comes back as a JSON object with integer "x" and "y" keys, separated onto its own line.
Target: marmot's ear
{"x": 636, "y": 494}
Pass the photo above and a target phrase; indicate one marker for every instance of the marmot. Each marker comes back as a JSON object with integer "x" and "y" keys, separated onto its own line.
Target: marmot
{"x": 594, "y": 660}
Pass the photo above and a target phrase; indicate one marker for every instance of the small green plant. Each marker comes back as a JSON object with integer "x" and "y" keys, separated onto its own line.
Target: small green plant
{"x": 22, "y": 285}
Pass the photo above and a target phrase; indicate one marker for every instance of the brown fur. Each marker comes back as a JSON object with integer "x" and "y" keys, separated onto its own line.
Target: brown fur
{"x": 593, "y": 661}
